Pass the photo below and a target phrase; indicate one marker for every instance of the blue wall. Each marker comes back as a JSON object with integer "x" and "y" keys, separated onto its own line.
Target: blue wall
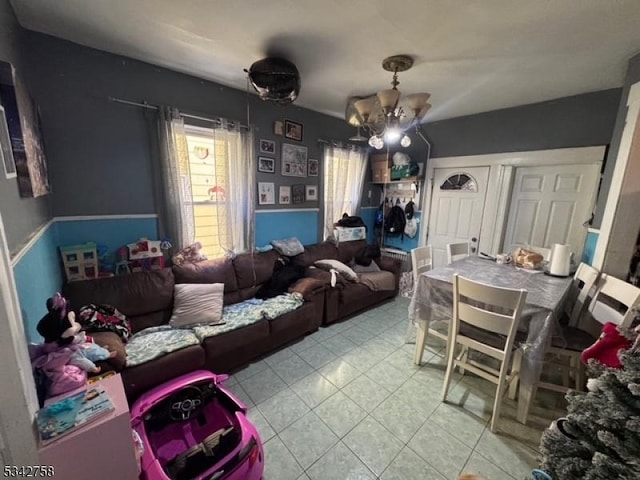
{"x": 111, "y": 232}
{"x": 38, "y": 275}
{"x": 590, "y": 247}
{"x": 273, "y": 225}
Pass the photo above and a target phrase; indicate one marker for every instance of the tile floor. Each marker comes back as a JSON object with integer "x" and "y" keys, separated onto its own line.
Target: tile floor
{"x": 347, "y": 402}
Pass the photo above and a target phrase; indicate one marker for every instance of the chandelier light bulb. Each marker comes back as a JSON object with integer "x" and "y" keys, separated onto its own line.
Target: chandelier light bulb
{"x": 372, "y": 141}
{"x": 392, "y": 135}
{"x": 405, "y": 141}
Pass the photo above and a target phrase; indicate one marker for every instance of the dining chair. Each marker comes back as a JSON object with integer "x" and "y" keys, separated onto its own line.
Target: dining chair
{"x": 569, "y": 344}
{"x": 457, "y": 250}
{"x": 422, "y": 261}
{"x": 477, "y": 325}
{"x": 614, "y": 302}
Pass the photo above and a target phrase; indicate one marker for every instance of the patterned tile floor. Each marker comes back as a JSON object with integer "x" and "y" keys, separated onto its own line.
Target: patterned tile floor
{"x": 347, "y": 402}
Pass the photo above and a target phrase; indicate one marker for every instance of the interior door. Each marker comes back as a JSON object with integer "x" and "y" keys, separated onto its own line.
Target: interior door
{"x": 457, "y": 206}
{"x": 549, "y": 205}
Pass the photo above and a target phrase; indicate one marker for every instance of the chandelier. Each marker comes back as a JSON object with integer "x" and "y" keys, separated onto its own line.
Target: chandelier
{"x": 385, "y": 116}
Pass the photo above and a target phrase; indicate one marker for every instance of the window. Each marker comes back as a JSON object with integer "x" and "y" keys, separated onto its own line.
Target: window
{"x": 208, "y": 173}
{"x": 344, "y": 170}
{"x": 460, "y": 181}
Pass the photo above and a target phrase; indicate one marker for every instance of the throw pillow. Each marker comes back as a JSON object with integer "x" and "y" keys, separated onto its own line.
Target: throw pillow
{"x": 340, "y": 267}
{"x": 196, "y": 304}
{"x": 288, "y": 246}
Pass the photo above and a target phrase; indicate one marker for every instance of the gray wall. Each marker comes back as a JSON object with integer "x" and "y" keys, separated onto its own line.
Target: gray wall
{"x": 576, "y": 121}
{"x": 99, "y": 152}
{"x": 21, "y": 216}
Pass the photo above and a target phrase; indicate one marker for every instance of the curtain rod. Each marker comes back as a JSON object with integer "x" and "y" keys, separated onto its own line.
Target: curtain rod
{"x": 336, "y": 143}
{"x": 183, "y": 115}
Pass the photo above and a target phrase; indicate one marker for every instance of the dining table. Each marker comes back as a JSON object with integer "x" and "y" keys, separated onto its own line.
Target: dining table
{"x": 432, "y": 303}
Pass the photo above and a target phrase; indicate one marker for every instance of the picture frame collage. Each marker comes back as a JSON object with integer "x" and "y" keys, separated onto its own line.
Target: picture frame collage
{"x": 294, "y": 162}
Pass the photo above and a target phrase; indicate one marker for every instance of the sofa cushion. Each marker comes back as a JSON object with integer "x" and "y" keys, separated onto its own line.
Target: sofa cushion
{"x": 347, "y": 250}
{"x": 315, "y": 252}
{"x": 133, "y": 294}
{"x": 253, "y": 269}
{"x": 219, "y": 270}
{"x": 289, "y": 247}
{"x": 344, "y": 270}
{"x": 196, "y": 304}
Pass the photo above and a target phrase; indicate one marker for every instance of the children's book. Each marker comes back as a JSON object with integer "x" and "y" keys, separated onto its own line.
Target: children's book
{"x": 68, "y": 414}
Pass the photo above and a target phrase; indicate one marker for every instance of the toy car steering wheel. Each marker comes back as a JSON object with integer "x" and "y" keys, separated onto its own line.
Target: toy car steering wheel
{"x": 185, "y": 403}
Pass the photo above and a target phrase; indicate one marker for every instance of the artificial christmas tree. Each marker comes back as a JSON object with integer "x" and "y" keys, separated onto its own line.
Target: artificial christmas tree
{"x": 600, "y": 437}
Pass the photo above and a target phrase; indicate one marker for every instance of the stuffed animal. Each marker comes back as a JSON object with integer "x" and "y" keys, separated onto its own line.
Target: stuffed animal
{"x": 67, "y": 355}
{"x": 189, "y": 254}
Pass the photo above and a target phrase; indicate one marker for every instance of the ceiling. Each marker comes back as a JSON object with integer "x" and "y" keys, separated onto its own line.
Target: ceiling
{"x": 471, "y": 55}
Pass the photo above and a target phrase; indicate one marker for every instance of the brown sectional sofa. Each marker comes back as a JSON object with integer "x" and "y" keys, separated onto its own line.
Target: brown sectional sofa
{"x": 346, "y": 299}
{"x": 146, "y": 299}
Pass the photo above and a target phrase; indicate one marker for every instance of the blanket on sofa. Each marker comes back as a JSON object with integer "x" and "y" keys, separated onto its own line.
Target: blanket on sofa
{"x": 251, "y": 311}
{"x": 154, "y": 342}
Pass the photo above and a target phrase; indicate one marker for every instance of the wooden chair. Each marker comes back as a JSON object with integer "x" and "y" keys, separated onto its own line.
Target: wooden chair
{"x": 422, "y": 261}
{"x": 567, "y": 346}
{"x": 457, "y": 250}
{"x": 476, "y": 325}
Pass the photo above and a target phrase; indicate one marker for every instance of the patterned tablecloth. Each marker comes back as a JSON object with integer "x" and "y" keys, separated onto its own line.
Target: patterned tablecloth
{"x": 433, "y": 299}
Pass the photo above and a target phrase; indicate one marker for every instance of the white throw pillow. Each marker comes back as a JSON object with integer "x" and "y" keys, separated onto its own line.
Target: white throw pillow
{"x": 197, "y": 304}
{"x": 340, "y": 267}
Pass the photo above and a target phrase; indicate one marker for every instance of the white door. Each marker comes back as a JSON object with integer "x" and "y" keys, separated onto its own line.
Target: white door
{"x": 550, "y": 205}
{"x": 457, "y": 206}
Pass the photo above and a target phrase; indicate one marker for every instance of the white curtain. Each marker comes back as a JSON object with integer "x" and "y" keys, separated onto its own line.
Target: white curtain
{"x": 231, "y": 214}
{"x": 176, "y": 209}
{"x": 234, "y": 146}
{"x": 344, "y": 171}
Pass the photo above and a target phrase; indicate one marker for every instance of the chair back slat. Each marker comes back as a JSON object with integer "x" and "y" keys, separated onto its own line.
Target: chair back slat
{"x": 580, "y": 292}
{"x": 483, "y": 307}
{"x": 455, "y": 251}
{"x": 614, "y": 301}
{"x": 484, "y": 319}
{"x": 421, "y": 261}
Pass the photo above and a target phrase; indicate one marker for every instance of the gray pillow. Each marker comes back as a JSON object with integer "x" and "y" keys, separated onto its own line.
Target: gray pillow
{"x": 340, "y": 267}
{"x": 289, "y": 247}
{"x": 196, "y": 304}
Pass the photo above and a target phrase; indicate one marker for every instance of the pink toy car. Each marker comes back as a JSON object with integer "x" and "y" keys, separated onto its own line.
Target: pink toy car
{"x": 193, "y": 428}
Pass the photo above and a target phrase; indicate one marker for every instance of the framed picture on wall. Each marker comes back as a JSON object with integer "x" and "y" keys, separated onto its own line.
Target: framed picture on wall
{"x": 294, "y": 160}
{"x": 311, "y": 192}
{"x": 266, "y": 193}
{"x": 313, "y": 168}
{"x": 266, "y": 164}
{"x": 267, "y": 146}
{"x": 284, "y": 196}
{"x": 293, "y": 130}
{"x": 297, "y": 194}
{"x": 6, "y": 154}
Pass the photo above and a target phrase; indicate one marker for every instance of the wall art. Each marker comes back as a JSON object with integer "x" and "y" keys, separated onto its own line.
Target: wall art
{"x": 23, "y": 124}
{"x": 294, "y": 160}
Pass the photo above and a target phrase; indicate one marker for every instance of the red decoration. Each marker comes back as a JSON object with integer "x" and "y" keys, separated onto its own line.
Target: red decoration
{"x": 607, "y": 347}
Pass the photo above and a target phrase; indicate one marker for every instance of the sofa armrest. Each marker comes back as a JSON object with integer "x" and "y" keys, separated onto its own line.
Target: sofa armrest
{"x": 113, "y": 343}
{"x": 389, "y": 264}
{"x": 307, "y": 287}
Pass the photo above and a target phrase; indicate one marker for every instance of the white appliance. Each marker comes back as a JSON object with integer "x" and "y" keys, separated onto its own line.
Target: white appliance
{"x": 560, "y": 261}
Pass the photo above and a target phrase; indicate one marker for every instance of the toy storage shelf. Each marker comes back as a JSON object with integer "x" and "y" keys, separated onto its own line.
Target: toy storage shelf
{"x": 80, "y": 261}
